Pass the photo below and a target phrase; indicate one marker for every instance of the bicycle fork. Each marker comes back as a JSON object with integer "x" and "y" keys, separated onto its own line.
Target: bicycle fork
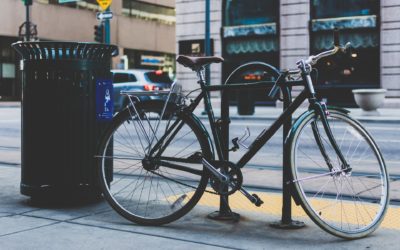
{"x": 322, "y": 112}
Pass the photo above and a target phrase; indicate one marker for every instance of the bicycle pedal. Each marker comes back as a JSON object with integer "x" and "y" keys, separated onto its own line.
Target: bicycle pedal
{"x": 257, "y": 200}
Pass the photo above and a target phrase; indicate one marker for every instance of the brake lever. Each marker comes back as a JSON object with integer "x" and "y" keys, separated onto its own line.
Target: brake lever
{"x": 346, "y": 47}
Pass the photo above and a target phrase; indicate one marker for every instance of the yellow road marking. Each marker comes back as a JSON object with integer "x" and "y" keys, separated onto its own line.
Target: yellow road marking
{"x": 273, "y": 206}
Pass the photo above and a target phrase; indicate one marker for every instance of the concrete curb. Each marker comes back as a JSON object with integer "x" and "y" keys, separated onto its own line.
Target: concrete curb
{"x": 10, "y": 104}
{"x": 388, "y": 115}
{"x": 272, "y": 117}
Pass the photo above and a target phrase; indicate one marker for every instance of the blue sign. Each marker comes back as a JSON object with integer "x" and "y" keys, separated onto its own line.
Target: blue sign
{"x": 107, "y": 15}
{"x": 104, "y": 100}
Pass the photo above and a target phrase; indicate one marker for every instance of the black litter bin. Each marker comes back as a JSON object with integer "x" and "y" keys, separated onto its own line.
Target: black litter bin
{"x": 60, "y": 126}
{"x": 245, "y": 101}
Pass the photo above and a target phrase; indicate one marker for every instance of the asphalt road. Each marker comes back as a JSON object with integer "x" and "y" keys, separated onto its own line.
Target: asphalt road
{"x": 269, "y": 158}
{"x": 387, "y": 136}
{"x": 68, "y": 227}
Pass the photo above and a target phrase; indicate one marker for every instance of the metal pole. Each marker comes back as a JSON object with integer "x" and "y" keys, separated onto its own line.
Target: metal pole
{"x": 224, "y": 212}
{"x": 207, "y": 41}
{"x": 27, "y": 24}
{"x": 107, "y": 31}
{"x": 286, "y": 221}
{"x": 287, "y": 196}
{"x": 207, "y": 44}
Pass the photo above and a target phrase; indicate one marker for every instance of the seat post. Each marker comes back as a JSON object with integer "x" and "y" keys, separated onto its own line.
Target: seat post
{"x": 201, "y": 76}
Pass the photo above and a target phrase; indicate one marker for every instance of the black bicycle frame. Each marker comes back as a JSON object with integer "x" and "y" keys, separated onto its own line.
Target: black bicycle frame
{"x": 266, "y": 134}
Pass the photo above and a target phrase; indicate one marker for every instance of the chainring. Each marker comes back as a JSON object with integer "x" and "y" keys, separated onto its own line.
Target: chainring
{"x": 234, "y": 184}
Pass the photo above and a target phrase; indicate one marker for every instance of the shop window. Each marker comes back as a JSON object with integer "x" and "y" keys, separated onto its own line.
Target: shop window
{"x": 250, "y": 33}
{"x": 344, "y": 8}
{"x": 247, "y": 12}
{"x": 9, "y": 86}
{"x": 251, "y": 26}
{"x": 7, "y": 70}
{"x": 357, "y": 21}
{"x": 194, "y": 47}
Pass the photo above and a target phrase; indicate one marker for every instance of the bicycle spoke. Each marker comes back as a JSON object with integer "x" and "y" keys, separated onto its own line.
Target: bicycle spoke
{"x": 153, "y": 189}
{"x": 353, "y": 204}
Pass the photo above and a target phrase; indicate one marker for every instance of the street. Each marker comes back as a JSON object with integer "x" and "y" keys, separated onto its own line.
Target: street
{"x": 77, "y": 172}
{"x": 260, "y": 172}
{"x": 21, "y": 218}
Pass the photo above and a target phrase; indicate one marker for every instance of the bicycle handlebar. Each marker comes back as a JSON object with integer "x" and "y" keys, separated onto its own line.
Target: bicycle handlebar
{"x": 312, "y": 60}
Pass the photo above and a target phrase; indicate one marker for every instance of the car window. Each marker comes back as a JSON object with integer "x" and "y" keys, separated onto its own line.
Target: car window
{"x": 132, "y": 78}
{"x": 158, "y": 77}
{"x": 120, "y": 77}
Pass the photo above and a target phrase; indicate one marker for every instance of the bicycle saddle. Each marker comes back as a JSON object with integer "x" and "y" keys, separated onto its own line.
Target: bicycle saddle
{"x": 196, "y": 63}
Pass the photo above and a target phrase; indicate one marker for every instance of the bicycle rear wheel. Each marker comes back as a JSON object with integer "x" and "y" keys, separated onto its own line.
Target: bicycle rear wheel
{"x": 159, "y": 188}
{"x": 349, "y": 205}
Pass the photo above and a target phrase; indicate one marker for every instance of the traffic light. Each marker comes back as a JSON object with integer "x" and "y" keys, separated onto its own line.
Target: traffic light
{"x": 99, "y": 33}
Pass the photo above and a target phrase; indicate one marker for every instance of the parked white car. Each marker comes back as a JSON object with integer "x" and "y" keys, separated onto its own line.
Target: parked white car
{"x": 137, "y": 80}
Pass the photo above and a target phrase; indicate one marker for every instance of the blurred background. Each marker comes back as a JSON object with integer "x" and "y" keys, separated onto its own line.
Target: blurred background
{"x": 150, "y": 33}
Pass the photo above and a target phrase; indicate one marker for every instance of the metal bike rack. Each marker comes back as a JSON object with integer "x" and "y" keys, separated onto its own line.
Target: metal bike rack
{"x": 225, "y": 212}
{"x": 286, "y": 221}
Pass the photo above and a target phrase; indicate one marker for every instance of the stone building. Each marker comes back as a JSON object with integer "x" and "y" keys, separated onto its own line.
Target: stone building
{"x": 144, "y": 31}
{"x": 282, "y": 32}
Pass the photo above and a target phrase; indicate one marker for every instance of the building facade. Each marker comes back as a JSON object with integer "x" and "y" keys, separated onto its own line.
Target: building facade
{"x": 144, "y": 31}
{"x": 282, "y": 32}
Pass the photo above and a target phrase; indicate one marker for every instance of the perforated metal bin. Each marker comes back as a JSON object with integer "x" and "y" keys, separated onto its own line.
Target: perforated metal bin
{"x": 60, "y": 131}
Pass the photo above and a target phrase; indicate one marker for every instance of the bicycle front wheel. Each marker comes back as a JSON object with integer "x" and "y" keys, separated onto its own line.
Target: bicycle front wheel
{"x": 346, "y": 204}
{"x": 146, "y": 186}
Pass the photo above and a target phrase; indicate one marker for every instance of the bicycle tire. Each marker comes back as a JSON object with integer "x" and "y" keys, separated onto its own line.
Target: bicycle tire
{"x": 176, "y": 192}
{"x": 343, "y": 204}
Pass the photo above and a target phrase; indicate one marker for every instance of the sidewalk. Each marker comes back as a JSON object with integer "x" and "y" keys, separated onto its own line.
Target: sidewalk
{"x": 24, "y": 225}
{"x": 10, "y": 104}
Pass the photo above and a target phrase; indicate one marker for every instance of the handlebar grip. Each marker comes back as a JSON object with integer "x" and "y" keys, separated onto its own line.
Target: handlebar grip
{"x": 273, "y": 92}
{"x": 336, "y": 37}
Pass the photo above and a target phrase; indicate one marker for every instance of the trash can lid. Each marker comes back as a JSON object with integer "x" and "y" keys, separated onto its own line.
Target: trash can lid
{"x": 65, "y": 50}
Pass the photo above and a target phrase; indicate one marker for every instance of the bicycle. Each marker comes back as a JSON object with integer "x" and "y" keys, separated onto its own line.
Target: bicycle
{"x": 153, "y": 176}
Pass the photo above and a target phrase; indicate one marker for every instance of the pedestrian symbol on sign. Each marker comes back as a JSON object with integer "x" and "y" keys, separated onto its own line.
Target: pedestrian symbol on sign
{"x": 104, "y": 100}
{"x": 107, "y": 99}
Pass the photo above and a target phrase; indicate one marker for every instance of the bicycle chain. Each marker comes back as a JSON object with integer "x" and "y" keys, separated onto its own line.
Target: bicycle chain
{"x": 234, "y": 173}
{"x": 184, "y": 184}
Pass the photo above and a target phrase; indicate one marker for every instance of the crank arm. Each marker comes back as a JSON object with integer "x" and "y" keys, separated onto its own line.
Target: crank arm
{"x": 248, "y": 195}
{"x": 221, "y": 177}
{"x": 253, "y": 198}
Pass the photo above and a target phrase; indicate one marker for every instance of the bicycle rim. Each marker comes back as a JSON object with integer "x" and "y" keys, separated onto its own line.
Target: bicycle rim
{"x": 349, "y": 205}
{"x": 148, "y": 192}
